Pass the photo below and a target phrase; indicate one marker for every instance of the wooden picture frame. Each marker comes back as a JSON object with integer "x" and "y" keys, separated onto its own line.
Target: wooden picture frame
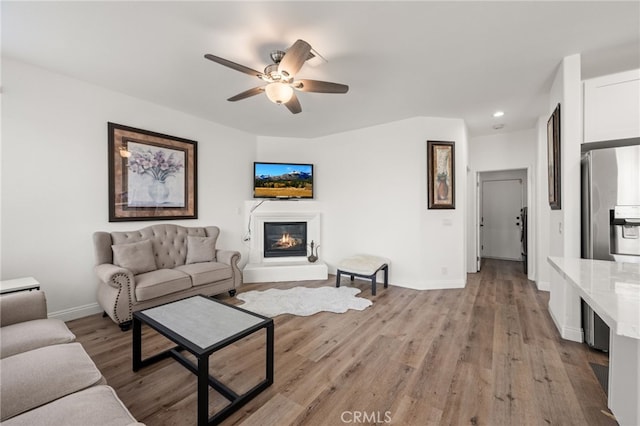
{"x": 553, "y": 159}
{"x": 441, "y": 170}
{"x": 151, "y": 176}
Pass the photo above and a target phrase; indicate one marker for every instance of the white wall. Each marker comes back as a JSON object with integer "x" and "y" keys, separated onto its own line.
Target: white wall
{"x": 564, "y": 224}
{"x": 54, "y": 177}
{"x": 542, "y": 210}
{"x": 373, "y": 185}
{"x": 504, "y": 151}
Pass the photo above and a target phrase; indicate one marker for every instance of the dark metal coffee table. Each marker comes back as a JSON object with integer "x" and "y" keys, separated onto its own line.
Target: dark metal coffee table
{"x": 202, "y": 325}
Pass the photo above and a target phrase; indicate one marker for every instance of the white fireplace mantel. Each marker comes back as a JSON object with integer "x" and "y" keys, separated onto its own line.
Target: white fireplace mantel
{"x": 261, "y": 269}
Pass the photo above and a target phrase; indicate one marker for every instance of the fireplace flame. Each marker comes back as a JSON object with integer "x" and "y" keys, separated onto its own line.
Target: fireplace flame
{"x": 286, "y": 241}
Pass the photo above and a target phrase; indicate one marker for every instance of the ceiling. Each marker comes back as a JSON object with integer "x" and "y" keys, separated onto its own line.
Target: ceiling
{"x": 400, "y": 59}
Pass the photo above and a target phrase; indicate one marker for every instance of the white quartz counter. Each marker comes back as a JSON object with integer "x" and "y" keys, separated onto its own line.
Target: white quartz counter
{"x": 612, "y": 289}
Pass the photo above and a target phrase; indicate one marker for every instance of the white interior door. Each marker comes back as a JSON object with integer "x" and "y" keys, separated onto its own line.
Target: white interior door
{"x": 478, "y": 208}
{"x": 500, "y": 219}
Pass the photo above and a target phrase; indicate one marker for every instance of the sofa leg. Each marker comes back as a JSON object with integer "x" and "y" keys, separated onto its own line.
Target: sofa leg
{"x": 125, "y": 326}
{"x": 232, "y": 292}
{"x": 104, "y": 314}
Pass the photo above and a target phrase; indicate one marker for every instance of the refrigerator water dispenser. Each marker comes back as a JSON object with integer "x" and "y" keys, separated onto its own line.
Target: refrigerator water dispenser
{"x": 625, "y": 233}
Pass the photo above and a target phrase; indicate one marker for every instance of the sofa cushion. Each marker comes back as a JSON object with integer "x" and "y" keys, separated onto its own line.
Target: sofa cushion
{"x": 207, "y": 272}
{"x": 36, "y": 377}
{"x": 201, "y": 249}
{"x": 28, "y": 335}
{"x": 22, "y": 306}
{"x": 161, "y": 282}
{"x": 87, "y": 407}
{"x": 169, "y": 242}
{"x": 136, "y": 257}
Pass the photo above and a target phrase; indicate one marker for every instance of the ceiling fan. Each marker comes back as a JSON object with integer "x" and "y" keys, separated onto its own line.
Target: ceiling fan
{"x": 279, "y": 77}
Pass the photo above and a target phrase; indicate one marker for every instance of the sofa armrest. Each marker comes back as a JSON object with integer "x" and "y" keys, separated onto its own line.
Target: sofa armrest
{"x": 22, "y": 306}
{"x": 228, "y": 257}
{"x": 113, "y": 275}
{"x": 231, "y": 257}
{"x": 116, "y": 293}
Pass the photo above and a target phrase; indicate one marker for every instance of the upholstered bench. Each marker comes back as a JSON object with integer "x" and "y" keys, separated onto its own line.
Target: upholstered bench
{"x": 364, "y": 266}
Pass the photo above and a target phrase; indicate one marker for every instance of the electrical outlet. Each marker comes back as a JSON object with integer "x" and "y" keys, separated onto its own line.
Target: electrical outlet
{"x": 444, "y": 271}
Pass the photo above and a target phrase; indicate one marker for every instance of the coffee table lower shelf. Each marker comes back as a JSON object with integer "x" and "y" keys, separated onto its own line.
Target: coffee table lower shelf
{"x": 201, "y": 367}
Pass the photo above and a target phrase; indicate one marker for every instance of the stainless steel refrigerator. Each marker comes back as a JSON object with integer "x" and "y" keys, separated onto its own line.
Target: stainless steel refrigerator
{"x": 610, "y": 215}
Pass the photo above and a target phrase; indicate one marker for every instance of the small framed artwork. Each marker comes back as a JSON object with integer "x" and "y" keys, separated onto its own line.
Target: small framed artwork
{"x": 441, "y": 170}
{"x": 553, "y": 154}
{"x": 151, "y": 176}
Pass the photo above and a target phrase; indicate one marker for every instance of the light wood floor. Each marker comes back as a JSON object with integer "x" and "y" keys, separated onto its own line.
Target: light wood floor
{"x": 488, "y": 354}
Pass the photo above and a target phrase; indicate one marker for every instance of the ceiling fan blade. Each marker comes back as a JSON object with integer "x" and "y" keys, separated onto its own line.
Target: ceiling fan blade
{"x": 294, "y": 58}
{"x": 294, "y": 104}
{"x": 233, "y": 65}
{"x": 320, "y": 86}
{"x": 247, "y": 94}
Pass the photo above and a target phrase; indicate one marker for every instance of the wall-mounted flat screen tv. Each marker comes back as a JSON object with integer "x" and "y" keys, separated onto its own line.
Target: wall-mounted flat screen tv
{"x": 282, "y": 180}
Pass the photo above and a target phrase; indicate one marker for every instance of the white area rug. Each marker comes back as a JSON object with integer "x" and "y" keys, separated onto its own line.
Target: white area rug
{"x": 303, "y": 301}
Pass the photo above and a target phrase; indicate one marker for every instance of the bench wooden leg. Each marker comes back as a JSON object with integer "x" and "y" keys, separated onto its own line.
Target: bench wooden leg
{"x": 338, "y": 272}
{"x": 386, "y": 276}
{"x": 373, "y": 284}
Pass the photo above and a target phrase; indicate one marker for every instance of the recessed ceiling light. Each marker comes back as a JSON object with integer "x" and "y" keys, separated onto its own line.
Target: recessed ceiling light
{"x": 498, "y": 126}
{"x": 498, "y": 114}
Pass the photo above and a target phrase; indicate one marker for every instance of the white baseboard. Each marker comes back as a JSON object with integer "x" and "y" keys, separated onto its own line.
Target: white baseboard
{"x": 427, "y": 285}
{"x": 437, "y": 285}
{"x": 445, "y": 284}
{"x": 543, "y": 285}
{"x": 568, "y": 333}
{"x": 76, "y": 312}
{"x": 572, "y": 333}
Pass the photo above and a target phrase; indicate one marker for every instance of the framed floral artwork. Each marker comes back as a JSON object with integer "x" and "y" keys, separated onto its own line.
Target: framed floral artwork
{"x": 441, "y": 184}
{"x": 553, "y": 158}
{"x": 151, "y": 176}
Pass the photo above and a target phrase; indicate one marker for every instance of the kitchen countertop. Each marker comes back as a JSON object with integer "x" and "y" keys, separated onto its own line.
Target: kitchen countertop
{"x": 612, "y": 289}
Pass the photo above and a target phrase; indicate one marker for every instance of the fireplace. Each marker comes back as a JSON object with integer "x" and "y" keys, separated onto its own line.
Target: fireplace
{"x": 285, "y": 239}
{"x": 260, "y": 269}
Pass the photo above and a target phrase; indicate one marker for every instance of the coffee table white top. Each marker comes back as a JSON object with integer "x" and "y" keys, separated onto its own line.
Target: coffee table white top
{"x": 612, "y": 289}
{"x": 201, "y": 320}
{"x": 18, "y": 284}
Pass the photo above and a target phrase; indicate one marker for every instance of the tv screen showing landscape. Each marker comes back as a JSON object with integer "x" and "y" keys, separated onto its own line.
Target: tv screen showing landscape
{"x": 282, "y": 180}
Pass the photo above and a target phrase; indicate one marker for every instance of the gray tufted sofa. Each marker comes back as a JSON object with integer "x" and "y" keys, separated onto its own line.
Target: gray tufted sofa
{"x": 159, "y": 264}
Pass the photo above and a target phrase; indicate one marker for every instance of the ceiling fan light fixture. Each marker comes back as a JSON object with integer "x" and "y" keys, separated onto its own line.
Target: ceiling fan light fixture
{"x": 279, "y": 76}
{"x": 279, "y": 93}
